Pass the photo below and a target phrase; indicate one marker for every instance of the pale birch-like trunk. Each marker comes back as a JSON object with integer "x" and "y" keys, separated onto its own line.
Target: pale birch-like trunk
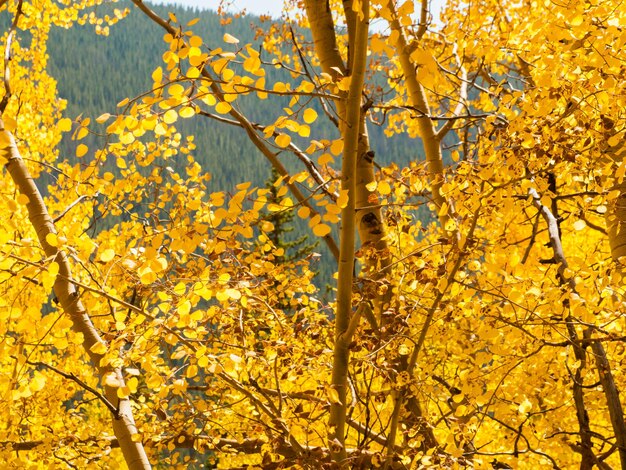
{"x": 67, "y": 295}
{"x": 369, "y": 223}
{"x": 428, "y": 134}
{"x": 351, "y": 128}
{"x": 616, "y": 224}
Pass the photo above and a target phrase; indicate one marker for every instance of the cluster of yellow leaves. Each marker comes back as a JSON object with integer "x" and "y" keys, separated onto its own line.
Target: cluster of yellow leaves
{"x": 216, "y": 336}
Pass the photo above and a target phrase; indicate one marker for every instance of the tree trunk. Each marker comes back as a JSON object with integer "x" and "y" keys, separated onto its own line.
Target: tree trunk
{"x": 67, "y": 295}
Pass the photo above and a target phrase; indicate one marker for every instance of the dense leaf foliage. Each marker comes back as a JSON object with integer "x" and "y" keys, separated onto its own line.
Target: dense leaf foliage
{"x": 479, "y": 321}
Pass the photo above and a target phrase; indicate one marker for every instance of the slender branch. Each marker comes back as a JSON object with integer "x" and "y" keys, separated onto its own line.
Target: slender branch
{"x": 341, "y": 351}
{"x": 423, "y": 24}
{"x": 7, "y": 59}
{"x": 602, "y": 364}
{"x": 247, "y": 126}
{"x": 461, "y": 105}
{"x": 112, "y": 408}
{"x": 72, "y": 205}
{"x": 311, "y": 167}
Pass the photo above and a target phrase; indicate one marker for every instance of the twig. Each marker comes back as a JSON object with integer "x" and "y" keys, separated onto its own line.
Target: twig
{"x": 113, "y": 409}
{"x": 72, "y": 205}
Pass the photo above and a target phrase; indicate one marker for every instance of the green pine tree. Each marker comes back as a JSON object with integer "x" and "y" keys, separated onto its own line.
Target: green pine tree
{"x": 294, "y": 248}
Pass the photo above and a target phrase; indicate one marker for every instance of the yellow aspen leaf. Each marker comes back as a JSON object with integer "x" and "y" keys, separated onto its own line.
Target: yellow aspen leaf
{"x": 321, "y": 230}
{"x": 230, "y": 39}
{"x": 103, "y": 118}
{"x": 82, "y": 133}
{"x": 260, "y": 83}
{"x": 473, "y": 265}
{"x": 193, "y": 72}
{"x": 280, "y": 87}
{"x": 577, "y": 20}
{"x": 65, "y": 125}
{"x": 344, "y": 84}
{"x": 154, "y": 381}
{"x": 81, "y": 150}
{"x": 121, "y": 163}
{"x": 315, "y": 220}
{"x": 148, "y": 277}
{"x": 283, "y": 140}
{"x": 107, "y": 255}
{"x": 525, "y": 406}
{"x": 298, "y": 178}
{"x": 233, "y": 294}
{"x": 252, "y": 64}
{"x": 195, "y": 41}
{"x": 304, "y": 212}
{"x": 421, "y": 57}
{"x": 458, "y": 398}
{"x": 209, "y": 100}
{"x": 53, "y": 269}
{"x": 223, "y": 107}
{"x": 342, "y": 200}
{"x": 187, "y": 112}
{"x": 132, "y": 383}
{"x": 127, "y": 138}
{"x": 579, "y": 225}
{"x": 157, "y": 75}
{"x": 52, "y": 239}
{"x": 37, "y": 383}
{"x": 203, "y": 361}
{"x": 192, "y": 371}
{"x": 336, "y": 147}
{"x": 450, "y": 225}
{"x": 170, "y": 116}
{"x": 184, "y": 308}
{"x": 176, "y": 90}
{"x": 309, "y": 115}
{"x": 23, "y": 199}
{"x": 98, "y": 348}
{"x": 160, "y": 129}
{"x": 377, "y": 44}
{"x": 325, "y": 159}
{"x": 304, "y": 131}
{"x": 371, "y": 186}
{"x": 193, "y": 22}
{"x": 10, "y": 124}
{"x": 460, "y": 411}
{"x": 332, "y": 395}
{"x": 384, "y": 188}
{"x": 124, "y": 102}
{"x": 614, "y": 140}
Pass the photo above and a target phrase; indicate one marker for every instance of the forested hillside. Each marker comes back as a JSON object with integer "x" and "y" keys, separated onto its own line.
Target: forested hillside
{"x": 95, "y": 72}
